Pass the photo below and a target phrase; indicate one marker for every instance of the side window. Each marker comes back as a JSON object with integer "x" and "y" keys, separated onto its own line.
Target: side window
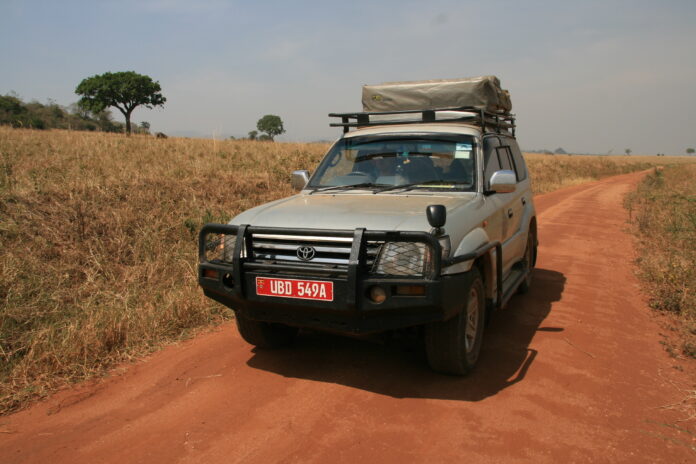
{"x": 518, "y": 159}
{"x": 490, "y": 157}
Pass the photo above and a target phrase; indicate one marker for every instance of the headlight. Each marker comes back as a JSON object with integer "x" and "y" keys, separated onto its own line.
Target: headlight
{"x": 228, "y": 248}
{"x": 220, "y": 247}
{"x": 404, "y": 259}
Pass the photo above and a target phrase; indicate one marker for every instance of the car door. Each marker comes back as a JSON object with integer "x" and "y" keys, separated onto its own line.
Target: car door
{"x": 512, "y": 208}
{"x": 520, "y": 210}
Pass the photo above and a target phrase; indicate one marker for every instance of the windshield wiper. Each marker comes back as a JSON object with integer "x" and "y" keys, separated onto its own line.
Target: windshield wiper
{"x": 413, "y": 185}
{"x": 349, "y": 187}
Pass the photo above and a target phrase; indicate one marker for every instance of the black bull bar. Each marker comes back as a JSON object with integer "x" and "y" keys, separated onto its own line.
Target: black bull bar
{"x": 242, "y": 259}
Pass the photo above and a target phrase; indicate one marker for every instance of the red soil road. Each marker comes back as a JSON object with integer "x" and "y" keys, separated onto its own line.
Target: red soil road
{"x": 571, "y": 372}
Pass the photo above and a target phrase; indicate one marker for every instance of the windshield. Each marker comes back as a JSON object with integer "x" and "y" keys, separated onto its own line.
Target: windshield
{"x": 433, "y": 162}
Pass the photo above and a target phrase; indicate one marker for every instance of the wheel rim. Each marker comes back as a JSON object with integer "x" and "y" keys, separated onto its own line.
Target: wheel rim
{"x": 472, "y": 319}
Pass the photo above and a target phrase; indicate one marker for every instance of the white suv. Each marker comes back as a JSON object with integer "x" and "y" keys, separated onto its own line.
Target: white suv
{"x": 413, "y": 218}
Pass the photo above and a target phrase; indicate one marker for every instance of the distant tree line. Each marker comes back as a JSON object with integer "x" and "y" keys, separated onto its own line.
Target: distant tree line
{"x": 627, "y": 151}
{"x": 34, "y": 115}
{"x": 557, "y": 151}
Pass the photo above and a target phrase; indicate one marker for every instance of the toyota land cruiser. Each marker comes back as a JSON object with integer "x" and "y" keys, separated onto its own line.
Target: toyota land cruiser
{"x": 413, "y": 218}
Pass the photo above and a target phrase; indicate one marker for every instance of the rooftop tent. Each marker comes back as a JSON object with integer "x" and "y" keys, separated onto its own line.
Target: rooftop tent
{"x": 482, "y": 92}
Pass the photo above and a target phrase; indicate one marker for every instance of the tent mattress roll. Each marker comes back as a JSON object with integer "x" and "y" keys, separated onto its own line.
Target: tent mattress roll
{"x": 482, "y": 92}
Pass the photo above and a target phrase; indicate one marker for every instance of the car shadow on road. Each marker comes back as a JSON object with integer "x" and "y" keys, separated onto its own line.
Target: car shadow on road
{"x": 398, "y": 367}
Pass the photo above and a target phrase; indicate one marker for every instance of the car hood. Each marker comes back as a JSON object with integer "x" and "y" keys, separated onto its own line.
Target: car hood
{"x": 349, "y": 211}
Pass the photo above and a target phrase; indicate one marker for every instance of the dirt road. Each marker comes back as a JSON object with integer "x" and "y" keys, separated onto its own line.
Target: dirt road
{"x": 571, "y": 372}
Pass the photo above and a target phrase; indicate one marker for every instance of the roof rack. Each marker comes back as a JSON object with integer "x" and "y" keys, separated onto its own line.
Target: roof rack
{"x": 488, "y": 121}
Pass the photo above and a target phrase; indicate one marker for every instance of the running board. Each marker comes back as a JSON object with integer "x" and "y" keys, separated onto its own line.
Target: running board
{"x": 511, "y": 283}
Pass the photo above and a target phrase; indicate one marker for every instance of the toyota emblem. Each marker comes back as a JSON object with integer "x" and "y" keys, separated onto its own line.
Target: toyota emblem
{"x": 306, "y": 253}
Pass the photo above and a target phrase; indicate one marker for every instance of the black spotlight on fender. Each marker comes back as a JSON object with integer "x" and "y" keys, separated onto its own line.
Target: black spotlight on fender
{"x": 437, "y": 216}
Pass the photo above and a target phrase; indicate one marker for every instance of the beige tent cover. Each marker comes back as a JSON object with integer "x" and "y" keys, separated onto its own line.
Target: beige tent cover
{"x": 482, "y": 92}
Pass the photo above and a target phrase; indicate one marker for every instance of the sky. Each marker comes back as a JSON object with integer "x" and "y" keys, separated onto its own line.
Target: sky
{"x": 588, "y": 76}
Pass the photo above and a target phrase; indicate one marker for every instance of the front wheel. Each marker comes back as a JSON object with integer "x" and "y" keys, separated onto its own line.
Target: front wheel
{"x": 453, "y": 346}
{"x": 265, "y": 334}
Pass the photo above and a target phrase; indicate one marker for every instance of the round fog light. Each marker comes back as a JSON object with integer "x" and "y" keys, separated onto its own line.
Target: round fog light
{"x": 377, "y": 294}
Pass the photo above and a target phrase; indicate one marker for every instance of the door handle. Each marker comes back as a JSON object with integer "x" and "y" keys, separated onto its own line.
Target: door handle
{"x": 510, "y": 213}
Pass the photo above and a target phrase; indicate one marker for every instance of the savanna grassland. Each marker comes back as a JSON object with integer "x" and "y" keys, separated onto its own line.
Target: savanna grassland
{"x": 99, "y": 236}
{"x": 551, "y": 172}
{"x": 99, "y": 240}
{"x": 663, "y": 216}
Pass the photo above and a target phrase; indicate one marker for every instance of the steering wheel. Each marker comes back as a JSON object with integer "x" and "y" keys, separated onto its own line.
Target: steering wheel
{"x": 358, "y": 173}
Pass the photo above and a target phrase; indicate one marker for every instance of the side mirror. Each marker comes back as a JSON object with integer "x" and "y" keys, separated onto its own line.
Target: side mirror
{"x": 299, "y": 179}
{"x": 504, "y": 181}
{"x": 437, "y": 216}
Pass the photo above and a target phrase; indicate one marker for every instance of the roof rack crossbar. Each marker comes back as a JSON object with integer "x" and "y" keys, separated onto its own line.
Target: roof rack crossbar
{"x": 471, "y": 120}
{"x": 488, "y": 121}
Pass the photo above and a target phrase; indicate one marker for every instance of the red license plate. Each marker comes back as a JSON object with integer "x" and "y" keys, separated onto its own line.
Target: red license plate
{"x": 293, "y": 288}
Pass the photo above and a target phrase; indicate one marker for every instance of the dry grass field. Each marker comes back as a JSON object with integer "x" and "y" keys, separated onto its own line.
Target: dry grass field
{"x": 663, "y": 215}
{"x": 99, "y": 234}
{"x": 551, "y": 172}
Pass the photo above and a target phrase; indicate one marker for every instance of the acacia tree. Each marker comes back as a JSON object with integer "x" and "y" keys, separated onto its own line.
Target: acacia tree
{"x": 122, "y": 90}
{"x": 271, "y": 125}
{"x": 690, "y": 151}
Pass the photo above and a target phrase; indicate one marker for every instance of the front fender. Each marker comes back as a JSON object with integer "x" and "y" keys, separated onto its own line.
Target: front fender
{"x": 472, "y": 241}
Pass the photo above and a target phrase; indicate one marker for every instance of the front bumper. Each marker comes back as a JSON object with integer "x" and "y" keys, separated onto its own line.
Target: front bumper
{"x": 441, "y": 301}
{"x": 351, "y": 311}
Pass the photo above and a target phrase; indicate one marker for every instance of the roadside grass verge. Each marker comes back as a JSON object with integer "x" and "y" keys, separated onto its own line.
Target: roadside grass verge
{"x": 99, "y": 241}
{"x": 663, "y": 216}
{"x": 99, "y": 244}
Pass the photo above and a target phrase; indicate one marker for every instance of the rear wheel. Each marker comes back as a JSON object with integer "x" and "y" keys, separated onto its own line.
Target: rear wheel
{"x": 453, "y": 346}
{"x": 529, "y": 260}
{"x": 265, "y": 334}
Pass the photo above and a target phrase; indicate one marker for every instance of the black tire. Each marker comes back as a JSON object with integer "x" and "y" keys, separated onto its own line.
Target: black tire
{"x": 265, "y": 334}
{"x": 529, "y": 261}
{"x": 453, "y": 346}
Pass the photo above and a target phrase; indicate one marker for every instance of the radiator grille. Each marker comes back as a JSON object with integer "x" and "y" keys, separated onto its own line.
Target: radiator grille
{"x": 321, "y": 250}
